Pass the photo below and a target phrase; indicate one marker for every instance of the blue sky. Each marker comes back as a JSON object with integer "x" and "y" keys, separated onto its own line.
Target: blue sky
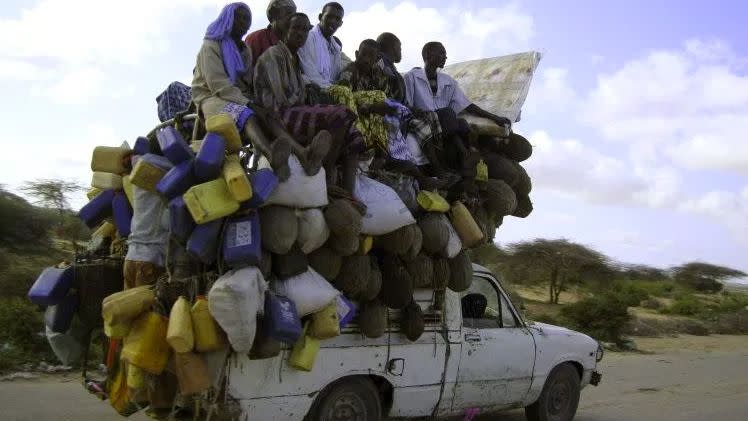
{"x": 638, "y": 111}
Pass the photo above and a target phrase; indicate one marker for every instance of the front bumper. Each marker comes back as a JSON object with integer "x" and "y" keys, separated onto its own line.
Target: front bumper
{"x": 595, "y": 378}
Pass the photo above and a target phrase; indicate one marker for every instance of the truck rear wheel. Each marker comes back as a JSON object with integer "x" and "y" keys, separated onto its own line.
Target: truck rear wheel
{"x": 352, "y": 399}
{"x": 560, "y": 396}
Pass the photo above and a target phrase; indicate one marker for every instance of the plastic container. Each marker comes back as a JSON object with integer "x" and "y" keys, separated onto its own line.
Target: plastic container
{"x": 59, "y": 317}
{"x": 128, "y": 188}
{"x": 105, "y": 230}
{"x": 99, "y": 208}
{"x": 142, "y": 146}
{"x": 236, "y": 179}
{"x": 210, "y": 158}
{"x": 192, "y": 373}
{"x": 224, "y": 125}
{"x": 346, "y": 310}
{"x": 110, "y": 159}
{"x": 179, "y": 333}
{"x": 210, "y": 201}
{"x": 135, "y": 378}
{"x": 203, "y": 242}
{"x": 365, "y": 244}
{"x": 106, "y": 181}
{"x": 432, "y": 202}
{"x": 325, "y": 323}
{"x": 117, "y": 330}
{"x": 281, "y": 321}
{"x": 124, "y": 306}
{"x": 145, "y": 345}
{"x": 208, "y": 335}
{"x": 263, "y": 183}
{"x": 173, "y": 145}
{"x": 304, "y": 352}
{"x": 51, "y": 286}
{"x": 180, "y": 220}
{"x": 195, "y": 145}
{"x": 93, "y": 192}
{"x": 122, "y": 214}
{"x": 465, "y": 225}
{"x": 241, "y": 240}
{"x": 177, "y": 180}
{"x": 146, "y": 175}
{"x": 481, "y": 171}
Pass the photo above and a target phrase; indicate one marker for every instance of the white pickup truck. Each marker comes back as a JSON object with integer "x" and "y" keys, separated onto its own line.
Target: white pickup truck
{"x": 489, "y": 361}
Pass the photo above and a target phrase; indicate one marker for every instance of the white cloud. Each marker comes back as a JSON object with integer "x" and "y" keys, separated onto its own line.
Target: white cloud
{"x": 689, "y": 106}
{"x": 551, "y": 92}
{"x": 731, "y": 208}
{"x": 466, "y": 33}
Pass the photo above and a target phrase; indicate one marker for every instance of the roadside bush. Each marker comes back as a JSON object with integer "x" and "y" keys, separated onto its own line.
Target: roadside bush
{"x": 18, "y": 271}
{"x": 21, "y": 333}
{"x": 685, "y": 306}
{"x": 546, "y": 318}
{"x": 630, "y": 293}
{"x": 652, "y": 304}
{"x": 603, "y": 317}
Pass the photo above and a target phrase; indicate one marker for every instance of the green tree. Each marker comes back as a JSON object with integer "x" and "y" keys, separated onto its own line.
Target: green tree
{"x": 704, "y": 277}
{"x": 53, "y": 193}
{"x": 557, "y": 262}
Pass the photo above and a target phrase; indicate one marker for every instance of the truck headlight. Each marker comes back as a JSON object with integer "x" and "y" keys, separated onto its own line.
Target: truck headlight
{"x": 599, "y": 353}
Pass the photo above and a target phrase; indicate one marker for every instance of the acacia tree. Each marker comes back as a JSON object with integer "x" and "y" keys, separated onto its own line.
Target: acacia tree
{"x": 53, "y": 193}
{"x": 558, "y": 262}
{"x": 704, "y": 277}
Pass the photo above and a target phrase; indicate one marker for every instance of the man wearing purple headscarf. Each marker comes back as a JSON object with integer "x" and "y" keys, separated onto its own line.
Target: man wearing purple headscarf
{"x": 222, "y": 83}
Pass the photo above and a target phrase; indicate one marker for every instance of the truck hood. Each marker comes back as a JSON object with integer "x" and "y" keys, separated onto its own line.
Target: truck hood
{"x": 551, "y": 331}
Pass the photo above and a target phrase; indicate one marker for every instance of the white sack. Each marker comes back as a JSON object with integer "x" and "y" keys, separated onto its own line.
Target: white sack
{"x": 385, "y": 211}
{"x": 300, "y": 190}
{"x": 309, "y": 291}
{"x": 313, "y": 230}
{"x": 234, "y": 301}
{"x": 454, "y": 245}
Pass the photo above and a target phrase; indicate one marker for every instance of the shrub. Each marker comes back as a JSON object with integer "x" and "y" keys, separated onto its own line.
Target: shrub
{"x": 602, "y": 317}
{"x": 631, "y": 293}
{"x": 21, "y": 333}
{"x": 686, "y": 306}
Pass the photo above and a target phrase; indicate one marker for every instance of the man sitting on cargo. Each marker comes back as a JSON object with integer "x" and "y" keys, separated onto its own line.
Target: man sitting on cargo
{"x": 279, "y": 86}
{"x": 322, "y": 57}
{"x": 222, "y": 83}
{"x": 278, "y": 13}
{"x": 390, "y": 53}
{"x": 426, "y": 89}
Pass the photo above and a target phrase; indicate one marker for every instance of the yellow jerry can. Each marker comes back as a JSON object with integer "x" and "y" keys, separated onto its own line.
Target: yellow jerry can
{"x": 192, "y": 373}
{"x": 210, "y": 201}
{"x": 304, "y": 351}
{"x": 325, "y": 323}
{"x": 208, "y": 335}
{"x": 93, "y": 193}
{"x": 145, "y": 344}
{"x": 465, "y": 225}
{"x": 432, "y": 202}
{"x": 124, "y": 306}
{"x": 236, "y": 179}
{"x": 481, "y": 171}
{"x": 106, "y": 181}
{"x": 110, "y": 159}
{"x": 146, "y": 175}
{"x": 179, "y": 334}
{"x": 224, "y": 125}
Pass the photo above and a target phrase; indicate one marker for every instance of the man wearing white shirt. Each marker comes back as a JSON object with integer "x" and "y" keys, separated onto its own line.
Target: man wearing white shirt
{"x": 322, "y": 58}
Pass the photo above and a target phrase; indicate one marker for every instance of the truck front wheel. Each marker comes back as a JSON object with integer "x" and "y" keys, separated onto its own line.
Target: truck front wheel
{"x": 560, "y": 396}
{"x": 351, "y": 399}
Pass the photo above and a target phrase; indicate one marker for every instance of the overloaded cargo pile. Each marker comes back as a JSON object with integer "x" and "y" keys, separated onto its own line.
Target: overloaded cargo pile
{"x": 217, "y": 253}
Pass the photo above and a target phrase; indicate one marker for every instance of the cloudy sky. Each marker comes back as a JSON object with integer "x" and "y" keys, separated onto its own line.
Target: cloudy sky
{"x": 638, "y": 112}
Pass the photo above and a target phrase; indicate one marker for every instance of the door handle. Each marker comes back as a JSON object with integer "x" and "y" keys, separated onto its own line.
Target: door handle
{"x": 472, "y": 337}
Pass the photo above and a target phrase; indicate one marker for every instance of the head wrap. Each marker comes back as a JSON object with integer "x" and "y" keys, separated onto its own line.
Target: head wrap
{"x": 220, "y": 31}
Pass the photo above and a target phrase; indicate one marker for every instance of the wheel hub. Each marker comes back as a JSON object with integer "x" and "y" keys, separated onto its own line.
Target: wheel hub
{"x": 347, "y": 407}
{"x": 559, "y": 398}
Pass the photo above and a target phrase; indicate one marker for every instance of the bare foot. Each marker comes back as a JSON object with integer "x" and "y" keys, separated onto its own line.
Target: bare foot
{"x": 279, "y": 152}
{"x": 316, "y": 152}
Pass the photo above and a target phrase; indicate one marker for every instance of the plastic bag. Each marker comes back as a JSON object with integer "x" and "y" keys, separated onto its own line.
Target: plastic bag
{"x": 234, "y": 302}
{"x": 385, "y": 211}
{"x": 309, "y": 291}
{"x": 299, "y": 190}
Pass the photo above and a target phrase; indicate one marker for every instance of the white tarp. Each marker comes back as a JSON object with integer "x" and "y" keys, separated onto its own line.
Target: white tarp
{"x": 498, "y": 84}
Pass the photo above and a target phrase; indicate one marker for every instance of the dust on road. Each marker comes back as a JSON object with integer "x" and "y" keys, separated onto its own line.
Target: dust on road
{"x": 687, "y": 378}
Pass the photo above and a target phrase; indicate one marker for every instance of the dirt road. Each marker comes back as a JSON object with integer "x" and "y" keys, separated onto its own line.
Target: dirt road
{"x": 684, "y": 379}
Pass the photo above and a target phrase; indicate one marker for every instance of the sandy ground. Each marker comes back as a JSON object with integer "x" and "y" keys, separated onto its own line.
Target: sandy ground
{"x": 689, "y": 378}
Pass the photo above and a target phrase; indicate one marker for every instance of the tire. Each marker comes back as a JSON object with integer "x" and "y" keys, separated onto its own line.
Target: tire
{"x": 352, "y": 399}
{"x": 560, "y": 396}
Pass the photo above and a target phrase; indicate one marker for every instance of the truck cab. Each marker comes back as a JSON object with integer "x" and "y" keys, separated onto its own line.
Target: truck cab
{"x": 476, "y": 352}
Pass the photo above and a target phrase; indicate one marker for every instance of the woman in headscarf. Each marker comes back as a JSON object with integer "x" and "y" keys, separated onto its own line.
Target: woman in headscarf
{"x": 222, "y": 83}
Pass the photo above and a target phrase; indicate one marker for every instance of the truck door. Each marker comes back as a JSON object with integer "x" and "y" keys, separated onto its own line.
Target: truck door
{"x": 498, "y": 352}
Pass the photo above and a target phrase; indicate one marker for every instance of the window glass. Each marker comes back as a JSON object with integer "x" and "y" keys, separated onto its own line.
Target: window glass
{"x": 507, "y": 318}
{"x": 480, "y": 305}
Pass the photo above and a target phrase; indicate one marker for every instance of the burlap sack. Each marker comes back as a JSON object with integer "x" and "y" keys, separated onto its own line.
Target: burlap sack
{"x": 374, "y": 285}
{"x": 524, "y": 207}
{"x": 523, "y": 187}
{"x": 498, "y": 197}
{"x": 422, "y": 270}
{"x": 500, "y": 168}
{"x": 266, "y": 264}
{"x": 279, "y": 228}
{"x": 326, "y": 262}
{"x": 416, "y": 245}
{"x": 440, "y": 279}
{"x": 516, "y": 148}
{"x": 460, "y": 272}
{"x": 372, "y": 319}
{"x": 354, "y": 275}
{"x": 290, "y": 264}
{"x": 344, "y": 244}
{"x": 398, "y": 241}
{"x": 412, "y": 322}
{"x": 397, "y": 284}
{"x": 435, "y": 232}
{"x": 343, "y": 218}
